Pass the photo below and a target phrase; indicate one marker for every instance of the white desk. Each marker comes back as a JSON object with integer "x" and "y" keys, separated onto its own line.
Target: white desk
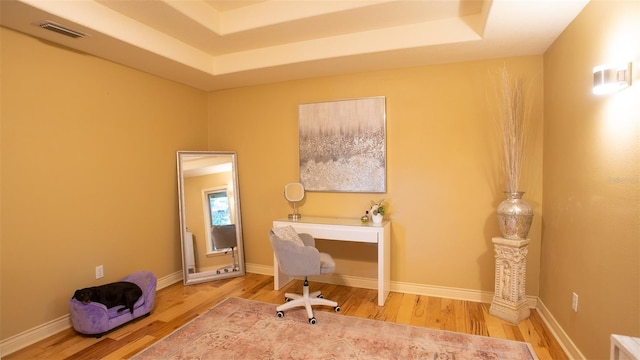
{"x": 625, "y": 347}
{"x": 343, "y": 230}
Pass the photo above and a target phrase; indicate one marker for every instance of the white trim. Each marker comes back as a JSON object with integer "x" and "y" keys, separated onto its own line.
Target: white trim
{"x": 43, "y": 331}
{"x": 259, "y": 269}
{"x": 33, "y": 335}
{"x": 168, "y": 280}
{"x": 402, "y": 287}
{"x": 570, "y": 349}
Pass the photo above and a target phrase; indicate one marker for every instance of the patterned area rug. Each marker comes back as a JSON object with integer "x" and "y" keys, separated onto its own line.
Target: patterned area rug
{"x": 245, "y": 329}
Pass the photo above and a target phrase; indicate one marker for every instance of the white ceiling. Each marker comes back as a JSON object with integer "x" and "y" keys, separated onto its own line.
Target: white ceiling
{"x": 218, "y": 44}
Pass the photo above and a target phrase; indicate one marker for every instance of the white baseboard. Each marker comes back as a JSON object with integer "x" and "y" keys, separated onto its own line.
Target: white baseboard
{"x": 168, "y": 280}
{"x": 417, "y": 289}
{"x": 62, "y": 323}
{"x": 402, "y": 287}
{"x": 41, "y": 332}
{"x": 33, "y": 335}
{"x": 566, "y": 343}
{"x": 259, "y": 269}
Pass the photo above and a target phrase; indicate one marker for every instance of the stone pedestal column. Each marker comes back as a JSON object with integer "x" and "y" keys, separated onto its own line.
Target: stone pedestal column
{"x": 510, "y": 300}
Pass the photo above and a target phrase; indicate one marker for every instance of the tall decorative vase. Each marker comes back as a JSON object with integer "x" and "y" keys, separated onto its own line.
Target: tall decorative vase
{"x": 514, "y": 216}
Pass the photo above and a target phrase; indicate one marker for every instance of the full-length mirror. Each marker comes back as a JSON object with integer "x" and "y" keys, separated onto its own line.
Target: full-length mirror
{"x": 210, "y": 217}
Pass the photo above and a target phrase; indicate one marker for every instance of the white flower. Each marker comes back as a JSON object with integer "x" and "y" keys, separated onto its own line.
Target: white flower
{"x": 377, "y": 208}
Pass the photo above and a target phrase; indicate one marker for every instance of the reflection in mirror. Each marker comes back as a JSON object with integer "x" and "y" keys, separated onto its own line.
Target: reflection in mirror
{"x": 209, "y": 216}
{"x": 294, "y": 193}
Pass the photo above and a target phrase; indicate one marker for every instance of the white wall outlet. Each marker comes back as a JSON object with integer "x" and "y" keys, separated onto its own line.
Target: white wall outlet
{"x": 99, "y": 271}
{"x": 574, "y": 302}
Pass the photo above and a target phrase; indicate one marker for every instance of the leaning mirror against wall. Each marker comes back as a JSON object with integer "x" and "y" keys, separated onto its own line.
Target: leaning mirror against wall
{"x": 210, "y": 218}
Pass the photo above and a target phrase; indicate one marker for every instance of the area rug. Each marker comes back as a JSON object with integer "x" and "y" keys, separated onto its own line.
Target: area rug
{"x": 246, "y": 329}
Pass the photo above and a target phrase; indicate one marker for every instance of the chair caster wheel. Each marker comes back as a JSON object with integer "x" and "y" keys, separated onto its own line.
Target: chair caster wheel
{"x": 320, "y": 296}
{"x": 280, "y": 314}
{"x": 337, "y": 309}
{"x": 312, "y": 321}
{"x": 286, "y": 299}
{"x": 218, "y": 272}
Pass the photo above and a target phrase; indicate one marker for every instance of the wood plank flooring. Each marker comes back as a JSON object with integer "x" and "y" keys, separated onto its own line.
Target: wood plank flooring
{"x": 178, "y": 304}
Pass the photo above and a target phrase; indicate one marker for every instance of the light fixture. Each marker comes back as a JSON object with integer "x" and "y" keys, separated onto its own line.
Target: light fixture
{"x": 608, "y": 79}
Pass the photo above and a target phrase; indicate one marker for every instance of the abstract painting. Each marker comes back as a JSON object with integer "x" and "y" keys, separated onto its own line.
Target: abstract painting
{"x": 343, "y": 145}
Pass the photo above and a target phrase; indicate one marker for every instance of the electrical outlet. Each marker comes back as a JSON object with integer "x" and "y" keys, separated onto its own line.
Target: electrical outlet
{"x": 574, "y": 302}
{"x": 99, "y": 271}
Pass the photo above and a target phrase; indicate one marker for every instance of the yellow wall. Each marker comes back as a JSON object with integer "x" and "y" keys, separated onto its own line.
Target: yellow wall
{"x": 443, "y": 180}
{"x": 88, "y": 174}
{"x": 591, "y": 238}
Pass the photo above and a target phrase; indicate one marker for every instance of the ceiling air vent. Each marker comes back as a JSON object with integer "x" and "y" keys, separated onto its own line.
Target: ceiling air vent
{"x": 62, "y": 30}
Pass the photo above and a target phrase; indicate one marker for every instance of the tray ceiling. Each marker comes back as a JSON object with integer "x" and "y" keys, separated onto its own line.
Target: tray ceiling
{"x": 218, "y": 44}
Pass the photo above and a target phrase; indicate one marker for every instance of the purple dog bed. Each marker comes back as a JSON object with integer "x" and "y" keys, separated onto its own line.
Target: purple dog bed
{"x": 95, "y": 319}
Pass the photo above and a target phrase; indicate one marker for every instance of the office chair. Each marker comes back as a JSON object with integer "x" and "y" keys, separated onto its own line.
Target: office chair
{"x": 298, "y": 256}
{"x": 224, "y": 239}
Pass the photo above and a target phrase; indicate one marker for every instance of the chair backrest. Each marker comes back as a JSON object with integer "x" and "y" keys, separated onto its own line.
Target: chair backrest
{"x": 295, "y": 259}
{"x": 223, "y": 236}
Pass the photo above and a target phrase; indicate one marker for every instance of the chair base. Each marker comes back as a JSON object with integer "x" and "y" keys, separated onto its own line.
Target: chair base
{"x": 305, "y": 300}
{"x": 231, "y": 267}
{"x": 226, "y": 269}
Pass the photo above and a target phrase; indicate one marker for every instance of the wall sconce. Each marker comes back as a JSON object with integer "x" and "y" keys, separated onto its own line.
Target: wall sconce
{"x": 608, "y": 79}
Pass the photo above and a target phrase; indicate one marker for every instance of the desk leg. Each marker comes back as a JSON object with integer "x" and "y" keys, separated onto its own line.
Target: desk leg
{"x": 280, "y": 279}
{"x": 384, "y": 270}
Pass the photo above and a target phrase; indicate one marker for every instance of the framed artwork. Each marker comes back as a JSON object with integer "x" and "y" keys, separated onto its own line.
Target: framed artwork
{"x": 343, "y": 145}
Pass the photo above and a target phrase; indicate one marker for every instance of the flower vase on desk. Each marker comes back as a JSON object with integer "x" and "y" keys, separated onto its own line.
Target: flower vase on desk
{"x": 377, "y": 218}
{"x": 377, "y": 211}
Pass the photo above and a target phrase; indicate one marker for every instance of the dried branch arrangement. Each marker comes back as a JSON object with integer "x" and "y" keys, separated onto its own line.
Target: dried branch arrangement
{"x": 514, "y": 118}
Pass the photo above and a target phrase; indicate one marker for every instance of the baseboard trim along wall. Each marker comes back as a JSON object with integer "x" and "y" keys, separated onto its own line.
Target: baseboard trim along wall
{"x": 41, "y": 332}
{"x": 558, "y": 332}
{"x": 62, "y": 323}
{"x": 402, "y": 287}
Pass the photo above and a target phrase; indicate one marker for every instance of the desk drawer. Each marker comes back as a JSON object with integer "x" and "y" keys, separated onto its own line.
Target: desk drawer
{"x": 333, "y": 232}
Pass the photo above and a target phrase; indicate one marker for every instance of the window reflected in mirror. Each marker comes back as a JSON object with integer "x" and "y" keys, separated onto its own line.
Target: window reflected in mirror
{"x": 218, "y": 202}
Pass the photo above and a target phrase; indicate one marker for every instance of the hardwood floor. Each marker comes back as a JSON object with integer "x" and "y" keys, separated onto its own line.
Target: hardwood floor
{"x": 178, "y": 304}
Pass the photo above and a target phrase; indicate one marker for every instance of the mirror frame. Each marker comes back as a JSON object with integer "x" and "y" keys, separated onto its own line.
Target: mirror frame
{"x": 196, "y": 278}
{"x": 295, "y": 215}
{"x": 294, "y": 186}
